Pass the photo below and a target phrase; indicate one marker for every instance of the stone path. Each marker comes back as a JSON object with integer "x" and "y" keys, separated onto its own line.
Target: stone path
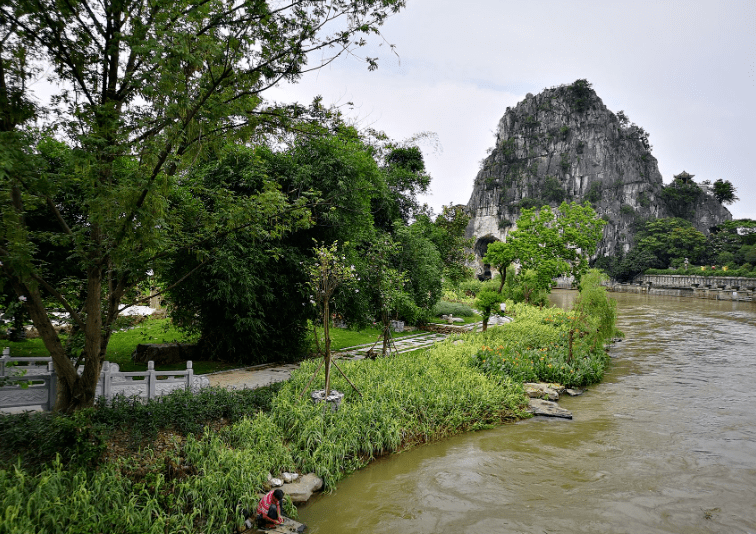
{"x": 266, "y": 374}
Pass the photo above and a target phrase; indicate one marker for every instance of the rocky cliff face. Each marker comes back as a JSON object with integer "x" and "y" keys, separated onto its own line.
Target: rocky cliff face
{"x": 564, "y": 144}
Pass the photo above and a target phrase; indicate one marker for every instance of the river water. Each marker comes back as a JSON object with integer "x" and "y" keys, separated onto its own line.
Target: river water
{"x": 666, "y": 443}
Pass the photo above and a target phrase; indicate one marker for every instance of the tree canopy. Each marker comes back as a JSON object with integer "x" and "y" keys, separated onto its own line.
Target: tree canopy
{"x": 724, "y": 191}
{"x": 669, "y": 239}
{"x": 550, "y": 243}
{"x": 144, "y": 91}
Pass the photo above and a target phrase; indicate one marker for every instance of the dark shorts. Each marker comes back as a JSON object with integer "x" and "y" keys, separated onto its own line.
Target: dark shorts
{"x": 272, "y": 513}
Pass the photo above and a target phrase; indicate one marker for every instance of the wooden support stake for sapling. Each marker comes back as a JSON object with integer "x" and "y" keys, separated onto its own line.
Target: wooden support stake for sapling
{"x": 347, "y": 378}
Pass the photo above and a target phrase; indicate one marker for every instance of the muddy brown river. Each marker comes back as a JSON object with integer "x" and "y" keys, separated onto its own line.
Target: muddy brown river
{"x": 665, "y": 444}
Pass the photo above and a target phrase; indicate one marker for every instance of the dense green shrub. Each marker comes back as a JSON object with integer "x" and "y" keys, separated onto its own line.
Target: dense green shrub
{"x": 444, "y": 307}
{"x": 182, "y": 411}
{"x": 79, "y": 439}
{"x": 594, "y": 309}
{"x": 524, "y": 287}
{"x": 37, "y": 439}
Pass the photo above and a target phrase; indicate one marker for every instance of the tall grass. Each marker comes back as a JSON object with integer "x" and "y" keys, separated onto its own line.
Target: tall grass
{"x": 410, "y": 398}
{"x": 553, "y": 345}
{"x": 444, "y": 307}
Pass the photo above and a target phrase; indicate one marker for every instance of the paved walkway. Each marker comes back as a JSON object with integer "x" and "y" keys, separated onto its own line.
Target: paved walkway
{"x": 266, "y": 374}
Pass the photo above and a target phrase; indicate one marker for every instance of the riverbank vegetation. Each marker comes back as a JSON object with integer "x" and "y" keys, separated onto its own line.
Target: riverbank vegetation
{"x": 184, "y": 479}
{"x": 551, "y": 344}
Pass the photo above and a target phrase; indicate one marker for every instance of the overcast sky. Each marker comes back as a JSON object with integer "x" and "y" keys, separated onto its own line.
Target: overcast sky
{"x": 683, "y": 70}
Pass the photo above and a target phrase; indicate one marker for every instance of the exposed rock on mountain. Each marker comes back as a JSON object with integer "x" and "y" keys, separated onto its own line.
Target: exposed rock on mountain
{"x": 564, "y": 144}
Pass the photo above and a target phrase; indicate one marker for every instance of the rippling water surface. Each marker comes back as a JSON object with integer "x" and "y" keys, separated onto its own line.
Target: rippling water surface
{"x": 666, "y": 443}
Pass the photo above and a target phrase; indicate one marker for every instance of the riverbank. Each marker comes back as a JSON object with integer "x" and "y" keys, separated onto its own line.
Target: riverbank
{"x": 398, "y": 403}
{"x": 665, "y": 444}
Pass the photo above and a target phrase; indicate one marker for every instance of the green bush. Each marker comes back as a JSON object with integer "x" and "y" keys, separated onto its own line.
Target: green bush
{"x": 182, "y": 411}
{"x": 457, "y": 309}
{"x": 36, "y": 439}
{"x": 79, "y": 439}
{"x": 551, "y": 345}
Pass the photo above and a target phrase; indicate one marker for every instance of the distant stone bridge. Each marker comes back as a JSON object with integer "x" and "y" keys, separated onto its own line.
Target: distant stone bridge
{"x": 702, "y": 287}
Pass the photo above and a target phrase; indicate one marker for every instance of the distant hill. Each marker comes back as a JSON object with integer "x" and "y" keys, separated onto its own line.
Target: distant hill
{"x": 564, "y": 144}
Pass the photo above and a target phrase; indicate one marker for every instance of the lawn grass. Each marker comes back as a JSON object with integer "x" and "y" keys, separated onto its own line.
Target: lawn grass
{"x": 342, "y": 338}
{"x": 123, "y": 343}
{"x": 161, "y": 330}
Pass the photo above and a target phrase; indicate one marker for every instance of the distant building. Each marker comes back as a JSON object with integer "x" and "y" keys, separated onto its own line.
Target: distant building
{"x": 684, "y": 178}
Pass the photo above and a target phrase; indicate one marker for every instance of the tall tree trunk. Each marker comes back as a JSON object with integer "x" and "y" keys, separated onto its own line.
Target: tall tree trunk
{"x": 503, "y": 275}
{"x": 68, "y": 379}
{"x": 386, "y": 332}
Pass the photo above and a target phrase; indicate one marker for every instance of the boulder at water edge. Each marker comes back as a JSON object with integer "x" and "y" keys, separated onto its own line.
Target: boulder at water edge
{"x": 549, "y": 409}
{"x": 301, "y": 490}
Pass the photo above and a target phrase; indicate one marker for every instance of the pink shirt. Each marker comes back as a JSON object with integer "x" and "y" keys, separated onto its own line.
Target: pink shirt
{"x": 264, "y": 506}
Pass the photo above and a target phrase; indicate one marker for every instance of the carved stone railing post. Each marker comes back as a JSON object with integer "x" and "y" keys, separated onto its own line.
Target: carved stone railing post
{"x": 151, "y": 378}
{"x": 106, "y": 379}
{"x": 6, "y": 356}
{"x": 189, "y": 375}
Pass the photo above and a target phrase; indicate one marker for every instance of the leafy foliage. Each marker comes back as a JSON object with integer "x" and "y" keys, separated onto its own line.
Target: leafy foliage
{"x": 667, "y": 239}
{"x": 486, "y": 302}
{"x": 447, "y": 233}
{"x": 37, "y": 439}
{"x": 134, "y": 134}
{"x": 550, "y": 344}
{"x": 582, "y": 95}
{"x": 724, "y": 191}
{"x": 681, "y": 198}
{"x": 549, "y": 243}
{"x": 524, "y": 286}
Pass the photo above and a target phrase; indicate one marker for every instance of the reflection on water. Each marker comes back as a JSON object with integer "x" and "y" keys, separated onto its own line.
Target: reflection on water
{"x": 667, "y": 443}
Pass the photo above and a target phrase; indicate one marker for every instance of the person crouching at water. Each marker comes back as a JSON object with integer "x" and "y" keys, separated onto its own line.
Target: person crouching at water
{"x": 270, "y": 509}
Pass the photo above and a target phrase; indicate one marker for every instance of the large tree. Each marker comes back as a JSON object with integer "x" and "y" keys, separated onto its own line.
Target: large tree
{"x": 248, "y": 307}
{"x": 447, "y": 233}
{"x": 144, "y": 89}
{"x": 550, "y": 243}
{"x": 671, "y": 239}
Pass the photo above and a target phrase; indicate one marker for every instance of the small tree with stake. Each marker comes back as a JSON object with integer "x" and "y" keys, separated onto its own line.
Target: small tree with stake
{"x": 388, "y": 283}
{"x": 327, "y": 273}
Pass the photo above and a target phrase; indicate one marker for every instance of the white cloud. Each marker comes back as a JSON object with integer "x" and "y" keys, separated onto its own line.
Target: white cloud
{"x": 682, "y": 70}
